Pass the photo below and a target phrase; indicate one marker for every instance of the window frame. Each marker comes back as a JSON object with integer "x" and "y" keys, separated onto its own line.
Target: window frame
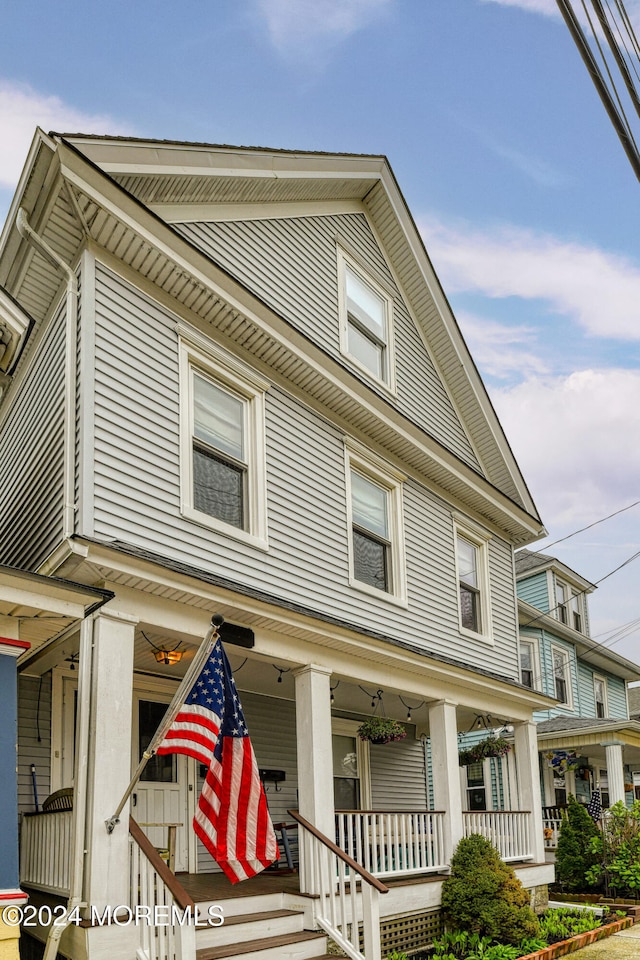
{"x": 535, "y": 661}
{"x": 198, "y": 356}
{"x": 598, "y": 678}
{"x": 478, "y": 538}
{"x": 348, "y": 262}
{"x": 566, "y": 656}
{"x": 362, "y": 461}
{"x": 571, "y": 607}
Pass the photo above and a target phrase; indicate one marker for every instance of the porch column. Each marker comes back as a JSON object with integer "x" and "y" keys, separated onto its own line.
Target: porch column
{"x": 106, "y": 880}
{"x": 445, "y": 772}
{"x": 527, "y": 765}
{"x": 315, "y": 758}
{"x": 615, "y": 770}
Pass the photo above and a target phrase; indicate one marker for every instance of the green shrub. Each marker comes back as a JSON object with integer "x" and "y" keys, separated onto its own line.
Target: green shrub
{"x": 396, "y": 955}
{"x": 617, "y": 854}
{"x": 576, "y": 856}
{"x": 483, "y": 895}
{"x": 564, "y": 922}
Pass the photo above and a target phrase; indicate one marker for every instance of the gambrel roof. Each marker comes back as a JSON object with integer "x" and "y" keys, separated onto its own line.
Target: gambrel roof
{"x": 128, "y": 197}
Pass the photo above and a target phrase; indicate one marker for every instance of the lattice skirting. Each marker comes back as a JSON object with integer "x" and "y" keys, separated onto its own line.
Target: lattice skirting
{"x": 410, "y": 932}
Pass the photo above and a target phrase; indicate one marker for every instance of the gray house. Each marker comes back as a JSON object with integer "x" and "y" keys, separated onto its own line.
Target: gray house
{"x": 237, "y": 387}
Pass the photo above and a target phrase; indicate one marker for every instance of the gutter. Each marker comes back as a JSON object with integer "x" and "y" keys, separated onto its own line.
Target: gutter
{"x": 70, "y": 366}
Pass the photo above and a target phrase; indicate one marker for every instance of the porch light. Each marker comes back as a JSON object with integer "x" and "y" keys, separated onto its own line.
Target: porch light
{"x": 168, "y": 657}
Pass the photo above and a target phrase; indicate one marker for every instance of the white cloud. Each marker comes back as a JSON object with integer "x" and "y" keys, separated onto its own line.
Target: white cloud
{"x": 302, "y": 26}
{"x": 547, "y": 7}
{"x": 22, "y": 109}
{"x": 597, "y": 289}
{"x": 501, "y": 351}
{"x": 575, "y": 440}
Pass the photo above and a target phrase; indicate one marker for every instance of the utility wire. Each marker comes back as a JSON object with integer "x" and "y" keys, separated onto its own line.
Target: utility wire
{"x": 590, "y": 525}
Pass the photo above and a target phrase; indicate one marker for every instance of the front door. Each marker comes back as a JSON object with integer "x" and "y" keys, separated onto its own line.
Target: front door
{"x": 351, "y": 778}
{"x": 160, "y": 796}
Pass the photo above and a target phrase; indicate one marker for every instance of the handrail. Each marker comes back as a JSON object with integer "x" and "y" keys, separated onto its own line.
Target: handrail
{"x": 335, "y": 849}
{"x": 391, "y": 811}
{"x": 496, "y": 811}
{"x": 178, "y": 892}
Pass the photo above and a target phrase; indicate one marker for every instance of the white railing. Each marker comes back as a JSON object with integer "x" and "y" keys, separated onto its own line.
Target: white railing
{"x": 45, "y": 851}
{"x": 153, "y": 887}
{"x": 551, "y": 829}
{"x": 508, "y": 830}
{"x": 346, "y": 904}
{"x": 390, "y": 843}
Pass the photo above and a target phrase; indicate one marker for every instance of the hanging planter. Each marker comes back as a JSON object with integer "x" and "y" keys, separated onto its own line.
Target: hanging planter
{"x": 489, "y": 747}
{"x": 381, "y": 730}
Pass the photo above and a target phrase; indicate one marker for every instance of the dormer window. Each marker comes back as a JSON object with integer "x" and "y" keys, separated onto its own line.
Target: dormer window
{"x": 562, "y": 599}
{"x": 569, "y": 606}
{"x": 366, "y": 310}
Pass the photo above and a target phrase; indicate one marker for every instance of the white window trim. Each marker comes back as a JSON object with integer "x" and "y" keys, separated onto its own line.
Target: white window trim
{"x": 345, "y": 260}
{"x": 197, "y": 353}
{"x": 537, "y": 673}
{"x": 471, "y": 532}
{"x": 349, "y": 728}
{"x": 605, "y": 687}
{"x": 566, "y": 655}
{"x": 358, "y": 458}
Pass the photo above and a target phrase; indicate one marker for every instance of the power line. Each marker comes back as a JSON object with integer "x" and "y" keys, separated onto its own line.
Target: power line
{"x": 590, "y": 525}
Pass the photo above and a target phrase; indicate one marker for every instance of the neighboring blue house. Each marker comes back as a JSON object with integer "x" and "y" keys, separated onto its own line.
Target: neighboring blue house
{"x": 589, "y": 681}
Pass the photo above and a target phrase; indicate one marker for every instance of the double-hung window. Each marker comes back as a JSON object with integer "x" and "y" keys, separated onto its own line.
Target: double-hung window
{"x": 375, "y": 518}
{"x": 568, "y": 606}
{"x": 561, "y": 675}
{"x": 562, "y": 602}
{"x": 600, "y": 696}
{"x": 473, "y": 582}
{"x": 528, "y": 664}
{"x": 575, "y": 610}
{"x": 366, "y": 322}
{"x": 223, "y": 454}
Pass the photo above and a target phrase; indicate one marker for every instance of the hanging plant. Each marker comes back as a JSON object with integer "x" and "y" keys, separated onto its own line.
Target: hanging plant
{"x": 489, "y": 747}
{"x": 381, "y": 730}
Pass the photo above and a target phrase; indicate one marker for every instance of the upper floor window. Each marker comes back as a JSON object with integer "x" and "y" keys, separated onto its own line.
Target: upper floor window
{"x": 527, "y": 663}
{"x": 375, "y": 514}
{"x": 562, "y": 599}
{"x": 600, "y": 696}
{"x": 223, "y": 456}
{"x": 473, "y": 582}
{"x": 366, "y": 321}
{"x": 569, "y": 606}
{"x": 561, "y": 675}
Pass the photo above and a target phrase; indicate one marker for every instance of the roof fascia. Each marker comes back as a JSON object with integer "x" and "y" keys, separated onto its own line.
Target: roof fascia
{"x": 110, "y": 195}
{"x": 600, "y": 730}
{"x": 51, "y": 593}
{"x": 566, "y": 573}
{"x": 39, "y": 158}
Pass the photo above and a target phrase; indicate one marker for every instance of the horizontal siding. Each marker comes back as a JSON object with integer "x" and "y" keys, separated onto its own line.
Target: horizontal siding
{"x": 535, "y": 590}
{"x": 398, "y": 778}
{"x": 291, "y": 264}
{"x": 31, "y": 446}
{"x": 137, "y": 497}
{"x": 34, "y": 739}
{"x": 616, "y": 692}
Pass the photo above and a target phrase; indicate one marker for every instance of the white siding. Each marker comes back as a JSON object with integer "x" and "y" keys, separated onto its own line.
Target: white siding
{"x": 31, "y": 457}
{"x": 291, "y": 264}
{"x": 398, "y": 778}
{"x": 34, "y": 739}
{"x": 137, "y": 497}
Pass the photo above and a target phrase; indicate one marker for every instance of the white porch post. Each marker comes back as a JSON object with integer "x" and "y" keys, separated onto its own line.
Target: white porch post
{"x": 445, "y": 771}
{"x": 315, "y": 758}
{"x": 106, "y": 881}
{"x": 615, "y": 770}
{"x": 527, "y": 764}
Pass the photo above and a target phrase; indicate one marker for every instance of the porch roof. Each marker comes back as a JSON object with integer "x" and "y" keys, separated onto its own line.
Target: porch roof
{"x": 562, "y": 732}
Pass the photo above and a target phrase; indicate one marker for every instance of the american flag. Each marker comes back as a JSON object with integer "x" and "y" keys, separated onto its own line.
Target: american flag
{"x": 594, "y": 807}
{"x": 232, "y": 818}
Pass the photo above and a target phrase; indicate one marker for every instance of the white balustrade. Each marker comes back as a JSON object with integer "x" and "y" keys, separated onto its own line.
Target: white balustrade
{"x": 508, "y": 830}
{"x": 551, "y": 829}
{"x": 390, "y": 843}
{"x": 45, "y": 851}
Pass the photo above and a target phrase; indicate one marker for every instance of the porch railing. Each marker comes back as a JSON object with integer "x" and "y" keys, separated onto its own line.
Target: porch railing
{"x": 347, "y": 906}
{"x": 152, "y": 885}
{"x": 508, "y": 830}
{"x": 551, "y": 827}
{"x": 45, "y": 851}
{"x": 388, "y": 843}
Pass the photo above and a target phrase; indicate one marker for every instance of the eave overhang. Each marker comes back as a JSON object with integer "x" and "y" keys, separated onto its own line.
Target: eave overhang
{"x": 624, "y": 731}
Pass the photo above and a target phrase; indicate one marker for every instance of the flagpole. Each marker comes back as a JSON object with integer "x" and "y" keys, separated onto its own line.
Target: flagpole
{"x": 196, "y": 666}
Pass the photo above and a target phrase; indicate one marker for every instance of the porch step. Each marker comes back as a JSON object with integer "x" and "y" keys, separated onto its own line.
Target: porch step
{"x": 241, "y": 906}
{"x": 249, "y": 927}
{"x": 306, "y": 945}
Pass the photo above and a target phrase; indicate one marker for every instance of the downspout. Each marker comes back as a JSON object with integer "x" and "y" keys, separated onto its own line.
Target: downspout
{"x": 70, "y": 367}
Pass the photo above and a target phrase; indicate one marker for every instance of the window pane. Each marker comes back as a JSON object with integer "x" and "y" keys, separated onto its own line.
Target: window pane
{"x": 468, "y": 608}
{"x": 159, "y": 769}
{"x": 218, "y": 488}
{"x": 369, "y": 353}
{"x": 218, "y": 418}
{"x": 369, "y": 505}
{"x": 467, "y": 562}
{"x": 365, "y": 304}
{"x": 369, "y": 560}
{"x": 345, "y": 757}
{"x": 526, "y": 664}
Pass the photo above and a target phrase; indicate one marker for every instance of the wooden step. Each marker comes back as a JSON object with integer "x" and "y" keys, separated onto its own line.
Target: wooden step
{"x": 249, "y": 926}
{"x": 292, "y": 946}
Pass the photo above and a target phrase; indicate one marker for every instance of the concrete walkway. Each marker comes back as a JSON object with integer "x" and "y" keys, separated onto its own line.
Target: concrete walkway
{"x": 621, "y": 946}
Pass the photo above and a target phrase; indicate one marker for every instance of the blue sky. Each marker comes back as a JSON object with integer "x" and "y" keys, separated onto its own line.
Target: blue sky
{"x": 526, "y": 201}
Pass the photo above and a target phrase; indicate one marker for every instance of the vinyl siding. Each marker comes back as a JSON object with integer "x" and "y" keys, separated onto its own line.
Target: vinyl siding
{"x": 137, "y": 497}
{"x": 31, "y": 458}
{"x": 546, "y": 641}
{"x": 34, "y": 739}
{"x": 291, "y": 264}
{"x": 398, "y": 777}
{"x": 616, "y": 695}
{"x": 535, "y": 590}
